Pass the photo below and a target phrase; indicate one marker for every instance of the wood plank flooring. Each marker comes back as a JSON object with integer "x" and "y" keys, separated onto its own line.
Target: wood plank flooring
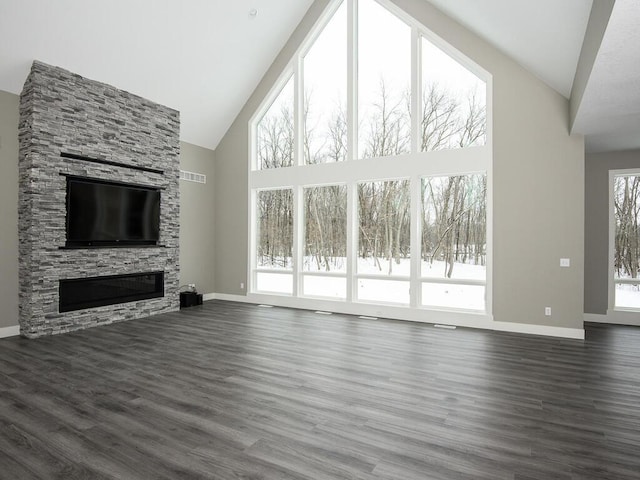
{"x": 235, "y": 391}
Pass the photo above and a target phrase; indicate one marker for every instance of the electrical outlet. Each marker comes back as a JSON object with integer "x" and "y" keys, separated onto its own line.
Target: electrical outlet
{"x": 241, "y": 285}
{"x": 547, "y": 311}
{"x": 565, "y": 262}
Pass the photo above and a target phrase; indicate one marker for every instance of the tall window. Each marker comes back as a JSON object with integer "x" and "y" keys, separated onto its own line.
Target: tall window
{"x": 373, "y": 209}
{"x": 626, "y": 241}
{"x": 274, "y": 242}
{"x": 453, "y": 102}
{"x": 384, "y": 246}
{"x": 325, "y": 241}
{"x": 384, "y": 82}
{"x": 325, "y": 93}
{"x": 275, "y": 132}
{"x": 454, "y": 238}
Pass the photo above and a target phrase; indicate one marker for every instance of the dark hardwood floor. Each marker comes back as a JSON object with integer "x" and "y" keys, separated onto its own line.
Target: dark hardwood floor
{"x": 234, "y": 391}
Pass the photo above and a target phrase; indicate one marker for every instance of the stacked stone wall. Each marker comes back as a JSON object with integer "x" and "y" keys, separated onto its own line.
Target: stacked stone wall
{"x": 64, "y": 113}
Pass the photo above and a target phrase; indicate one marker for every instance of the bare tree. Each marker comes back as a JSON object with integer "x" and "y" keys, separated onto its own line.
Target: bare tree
{"x": 337, "y": 135}
{"x": 474, "y": 122}
{"x": 326, "y": 227}
{"x": 275, "y": 236}
{"x": 454, "y": 208}
{"x": 440, "y": 118}
{"x": 387, "y": 127}
{"x": 275, "y": 139}
{"x": 454, "y": 220}
{"x": 384, "y": 221}
{"x": 627, "y": 234}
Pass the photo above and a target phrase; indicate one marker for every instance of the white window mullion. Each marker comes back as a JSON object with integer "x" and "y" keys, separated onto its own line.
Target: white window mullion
{"x": 489, "y": 240}
{"x": 298, "y": 239}
{"x": 412, "y": 164}
{"x": 352, "y": 79}
{"x": 254, "y": 231}
{"x": 416, "y": 88}
{"x": 352, "y": 240}
{"x": 298, "y": 112}
{"x": 612, "y": 234}
{"x": 415, "y": 245}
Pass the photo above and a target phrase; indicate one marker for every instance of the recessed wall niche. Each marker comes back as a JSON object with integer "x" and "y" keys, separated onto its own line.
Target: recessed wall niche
{"x": 65, "y": 119}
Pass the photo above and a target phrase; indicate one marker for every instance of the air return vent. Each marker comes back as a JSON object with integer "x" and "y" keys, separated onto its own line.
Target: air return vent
{"x": 193, "y": 177}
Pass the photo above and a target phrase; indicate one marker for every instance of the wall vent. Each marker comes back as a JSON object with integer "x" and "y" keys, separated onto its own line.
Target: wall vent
{"x": 193, "y": 177}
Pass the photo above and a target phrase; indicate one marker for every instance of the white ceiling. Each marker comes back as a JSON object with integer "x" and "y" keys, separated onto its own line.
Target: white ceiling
{"x": 205, "y": 57}
{"x": 201, "y": 57}
{"x": 609, "y": 113}
{"x": 544, "y": 36}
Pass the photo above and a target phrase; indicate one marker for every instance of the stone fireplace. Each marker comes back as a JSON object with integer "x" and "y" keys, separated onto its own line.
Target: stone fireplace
{"x": 72, "y": 126}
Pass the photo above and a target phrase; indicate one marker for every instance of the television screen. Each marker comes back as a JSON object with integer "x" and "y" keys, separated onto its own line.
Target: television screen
{"x": 111, "y": 214}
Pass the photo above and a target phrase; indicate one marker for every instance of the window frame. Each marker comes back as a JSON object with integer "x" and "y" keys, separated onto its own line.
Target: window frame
{"x": 302, "y": 274}
{"x": 254, "y": 232}
{"x": 453, "y": 281}
{"x": 612, "y": 280}
{"x": 412, "y": 166}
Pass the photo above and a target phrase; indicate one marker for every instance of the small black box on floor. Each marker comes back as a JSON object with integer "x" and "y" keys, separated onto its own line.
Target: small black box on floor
{"x": 189, "y": 299}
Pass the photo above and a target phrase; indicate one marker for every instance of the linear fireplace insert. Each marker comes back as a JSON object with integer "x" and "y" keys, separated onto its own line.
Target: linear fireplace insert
{"x": 81, "y": 293}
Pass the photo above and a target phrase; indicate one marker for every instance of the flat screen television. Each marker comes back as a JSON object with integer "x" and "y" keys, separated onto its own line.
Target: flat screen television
{"x": 104, "y": 214}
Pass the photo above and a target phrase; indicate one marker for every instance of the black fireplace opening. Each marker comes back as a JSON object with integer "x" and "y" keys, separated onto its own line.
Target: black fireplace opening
{"x": 81, "y": 293}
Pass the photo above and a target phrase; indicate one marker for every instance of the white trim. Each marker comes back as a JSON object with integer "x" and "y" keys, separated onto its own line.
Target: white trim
{"x": 416, "y": 88}
{"x": 227, "y": 297}
{"x": 297, "y": 237}
{"x": 208, "y": 296}
{"x": 611, "y": 292}
{"x": 320, "y": 273}
{"x": 627, "y": 281}
{"x": 413, "y": 166}
{"x": 13, "y": 331}
{"x": 545, "y": 330}
{"x": 469, "y": 320}
{"x": 615, "y": 317}
{"x": 352, "y": 241}
{"x": 611, "y": 296}
{"x": 458, "y": 161}
{"x": 352, "y": 80}
{"x": 415, "y": 287}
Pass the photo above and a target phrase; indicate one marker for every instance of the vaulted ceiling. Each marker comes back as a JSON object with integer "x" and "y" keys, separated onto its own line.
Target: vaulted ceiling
{"x": 205, "y": 57}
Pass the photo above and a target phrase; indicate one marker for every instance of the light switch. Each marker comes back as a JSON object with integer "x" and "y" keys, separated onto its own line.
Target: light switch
{"x": 565, "y": 262}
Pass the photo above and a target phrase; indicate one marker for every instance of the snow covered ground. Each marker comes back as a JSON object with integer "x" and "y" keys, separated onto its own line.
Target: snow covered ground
{"x": 369, "y": 266}
{"x": 627, "y": 296}
{"x": 385, "y": 289}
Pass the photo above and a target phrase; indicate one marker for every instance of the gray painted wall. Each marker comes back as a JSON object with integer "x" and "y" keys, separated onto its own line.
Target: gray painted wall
{"x": 197, "y": 219}
{"x": 596, "y": 225}
{"x": 231, "y": 185}
{"x": 9, "y": 209}
{"x": 538, "y": 183}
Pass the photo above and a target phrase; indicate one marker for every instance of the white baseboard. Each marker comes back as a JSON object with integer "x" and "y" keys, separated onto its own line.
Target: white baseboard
{"x": 226, "y": 296}
{"x": 471, "y": 320}
{"x": 546, "y": 330}
{"x": 615, "y": 317}
{"x": 10, "y": 331}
